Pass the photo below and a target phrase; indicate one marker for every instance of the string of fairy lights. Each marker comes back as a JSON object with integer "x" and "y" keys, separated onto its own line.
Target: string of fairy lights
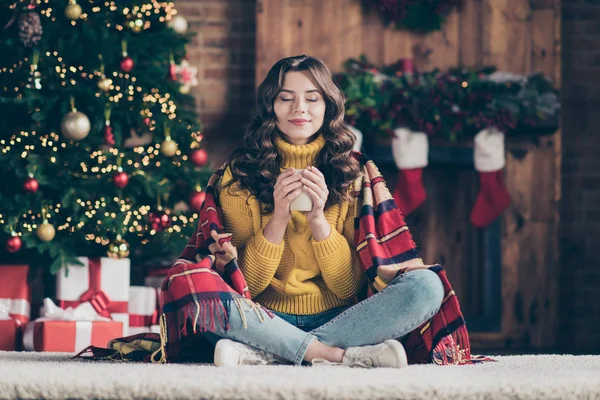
{"x": 132, "y": 217}
{"x": 104, "y": 163}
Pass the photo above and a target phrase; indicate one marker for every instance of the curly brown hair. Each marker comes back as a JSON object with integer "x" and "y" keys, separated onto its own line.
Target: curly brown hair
{"x": 259, "y": 152}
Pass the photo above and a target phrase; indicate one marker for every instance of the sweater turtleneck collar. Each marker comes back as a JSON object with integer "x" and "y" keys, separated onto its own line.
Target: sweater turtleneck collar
{"x": 299, "y": 156}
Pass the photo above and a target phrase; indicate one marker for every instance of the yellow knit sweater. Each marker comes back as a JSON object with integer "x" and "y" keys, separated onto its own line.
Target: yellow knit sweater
{"x": 300, "y": 275}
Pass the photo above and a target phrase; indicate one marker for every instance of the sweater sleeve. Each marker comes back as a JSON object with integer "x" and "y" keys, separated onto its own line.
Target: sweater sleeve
{"x": 337, "y": 258}
{"x": 258, "y": 258}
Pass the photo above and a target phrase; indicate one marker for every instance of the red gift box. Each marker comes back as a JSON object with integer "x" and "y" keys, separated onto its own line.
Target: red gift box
{"x": 70, "y": 336}
{"x": 15, "y": 294}
{"x": 8, "y": 335}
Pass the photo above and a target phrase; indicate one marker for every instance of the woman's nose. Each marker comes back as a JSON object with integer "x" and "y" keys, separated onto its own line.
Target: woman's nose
{"x": 300, "y": 106}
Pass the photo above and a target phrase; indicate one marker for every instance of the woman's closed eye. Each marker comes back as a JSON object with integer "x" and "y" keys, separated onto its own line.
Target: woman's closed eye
{"x": 311, "y": 100}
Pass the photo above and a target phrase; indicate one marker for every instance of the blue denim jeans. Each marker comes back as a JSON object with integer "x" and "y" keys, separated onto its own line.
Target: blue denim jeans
{"x": 408, "y": 301}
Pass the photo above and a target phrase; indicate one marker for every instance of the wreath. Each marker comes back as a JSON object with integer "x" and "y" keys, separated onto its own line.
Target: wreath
{"x": 420, "y": 16}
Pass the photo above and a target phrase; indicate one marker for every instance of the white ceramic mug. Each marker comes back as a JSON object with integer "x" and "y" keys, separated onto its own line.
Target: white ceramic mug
{"x": 302, "y": 202}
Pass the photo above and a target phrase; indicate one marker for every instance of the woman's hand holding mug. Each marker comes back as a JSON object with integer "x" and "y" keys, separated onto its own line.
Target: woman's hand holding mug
{"x": 287, "y": 187}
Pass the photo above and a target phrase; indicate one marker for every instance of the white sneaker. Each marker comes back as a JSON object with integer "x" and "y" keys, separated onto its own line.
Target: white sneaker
{"x": 389, "y": 354}
{"x": 229, "y": 353}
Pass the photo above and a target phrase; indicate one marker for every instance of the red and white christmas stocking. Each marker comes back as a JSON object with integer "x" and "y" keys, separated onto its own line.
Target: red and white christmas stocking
{"x": 359, "y": 138}
{"x": 411, "y": 150}
{"x": 493, "y": 197}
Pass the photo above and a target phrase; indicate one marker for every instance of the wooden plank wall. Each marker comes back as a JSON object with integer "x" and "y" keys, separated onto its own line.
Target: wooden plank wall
{"x": 514, "y": 35}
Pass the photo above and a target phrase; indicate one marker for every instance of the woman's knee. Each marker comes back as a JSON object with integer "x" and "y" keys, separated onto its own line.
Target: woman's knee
{"x": 428, "y": 286}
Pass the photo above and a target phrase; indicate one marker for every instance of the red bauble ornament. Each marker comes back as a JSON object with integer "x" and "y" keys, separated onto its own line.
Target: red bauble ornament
{"x": 154, "y": 219}
{"x": 165, "y": 221}
{"x": 14, "y": 244}
{"x": 147, "y": 121}
{"x": 196, "y": 200}
{"x": 126, "y": 64}
{"x": 159, "y": 221}
{"x": 120, "y": 179}
{"x": 31, "y": 185}
{"x": 199, "y": 157}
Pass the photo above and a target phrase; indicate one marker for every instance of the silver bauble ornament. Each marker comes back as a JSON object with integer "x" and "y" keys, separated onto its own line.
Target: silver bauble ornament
{"x": 179, "y": 24}
{"x": 104, "y": 83}
{"x": 75, "y": 125}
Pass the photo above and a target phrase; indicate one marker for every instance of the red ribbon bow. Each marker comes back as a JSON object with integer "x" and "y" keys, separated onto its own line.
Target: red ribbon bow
{"x": 103, "y": 305}
{"x": 99, "y": 300}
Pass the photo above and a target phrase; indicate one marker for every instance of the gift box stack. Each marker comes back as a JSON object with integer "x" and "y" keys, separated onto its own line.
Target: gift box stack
{"x": 92, "y": 305}
{"x": 15, "y": 300}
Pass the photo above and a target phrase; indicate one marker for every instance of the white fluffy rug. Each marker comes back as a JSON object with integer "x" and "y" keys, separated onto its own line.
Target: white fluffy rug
{"x": 53, "y": 375}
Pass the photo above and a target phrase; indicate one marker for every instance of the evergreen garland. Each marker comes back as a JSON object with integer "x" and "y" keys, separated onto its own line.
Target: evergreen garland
{"x": 451, "y": 104}
{"x": 422, "y": 16}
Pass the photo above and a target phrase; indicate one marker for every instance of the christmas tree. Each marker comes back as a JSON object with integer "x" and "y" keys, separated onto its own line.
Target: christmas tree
{"x": 100, "y": 146}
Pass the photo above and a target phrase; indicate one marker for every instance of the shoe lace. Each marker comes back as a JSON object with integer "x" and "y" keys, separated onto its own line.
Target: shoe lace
{"x": 253, "y": 356}
{"x": 361, "y": 358}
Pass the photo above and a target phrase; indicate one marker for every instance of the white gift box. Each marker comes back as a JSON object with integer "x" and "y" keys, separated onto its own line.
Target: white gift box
{"x": 142, "y": 308}
{"x": 104, "y": 282}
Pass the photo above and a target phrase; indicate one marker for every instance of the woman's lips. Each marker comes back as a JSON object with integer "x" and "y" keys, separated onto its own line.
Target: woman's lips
{"x": 299, "y": 122}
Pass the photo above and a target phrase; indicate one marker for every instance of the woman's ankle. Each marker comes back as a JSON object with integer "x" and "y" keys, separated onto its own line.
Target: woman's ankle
{"x": 337, "y": 355}
{"x": 317, "y": 349}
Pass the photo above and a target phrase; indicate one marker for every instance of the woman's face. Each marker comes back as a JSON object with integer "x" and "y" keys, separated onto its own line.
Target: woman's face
{"x": 300, "y": 108}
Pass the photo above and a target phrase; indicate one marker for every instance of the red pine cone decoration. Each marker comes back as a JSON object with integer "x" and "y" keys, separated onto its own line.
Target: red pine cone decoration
{"x": 109, "y": 137}
{"x": 172, "y": 71}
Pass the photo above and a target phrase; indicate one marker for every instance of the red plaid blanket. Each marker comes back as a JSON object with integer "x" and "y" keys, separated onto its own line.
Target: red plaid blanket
{"x": 204, "y": 285}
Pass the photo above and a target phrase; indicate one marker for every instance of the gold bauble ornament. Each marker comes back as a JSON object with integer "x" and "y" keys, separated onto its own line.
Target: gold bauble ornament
{"x": 73, "y": 11}
{"x": 75, "y": 125}
{"x": 104, "y": 83}
{"x": 184, "y": 89}
{"x": 119, "y": 248}
{"x": 45, "y": 232}
{"x": 168, "y": 148}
